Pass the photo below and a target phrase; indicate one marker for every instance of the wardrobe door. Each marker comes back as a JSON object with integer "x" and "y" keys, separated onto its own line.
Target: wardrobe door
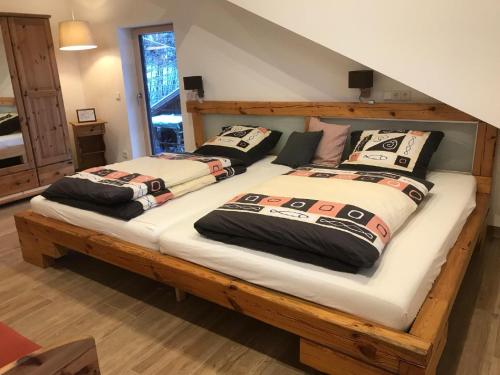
{"x": 17, "y": 170}
{"x": 41, "y": 90}
{"x": 15, "y": 145}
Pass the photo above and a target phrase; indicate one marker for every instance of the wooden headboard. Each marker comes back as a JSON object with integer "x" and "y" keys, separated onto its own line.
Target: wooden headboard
{"x": 484, "y": 153}
{"x": 7, "y": 101}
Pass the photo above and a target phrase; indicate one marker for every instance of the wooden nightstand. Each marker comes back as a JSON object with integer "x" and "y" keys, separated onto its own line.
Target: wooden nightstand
{"x": 89, "y": 144}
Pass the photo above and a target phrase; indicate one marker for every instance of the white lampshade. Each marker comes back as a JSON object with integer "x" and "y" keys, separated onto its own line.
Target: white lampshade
{"x": 75, "y": 36}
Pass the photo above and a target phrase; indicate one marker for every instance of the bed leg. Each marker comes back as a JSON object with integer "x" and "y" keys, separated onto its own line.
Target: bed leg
{"x": 180, "y": 295}
{"x": 38, "y": 251}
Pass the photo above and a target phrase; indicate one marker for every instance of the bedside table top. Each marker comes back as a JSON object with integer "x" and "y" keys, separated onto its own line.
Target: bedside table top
{"x": 98, "y": 122}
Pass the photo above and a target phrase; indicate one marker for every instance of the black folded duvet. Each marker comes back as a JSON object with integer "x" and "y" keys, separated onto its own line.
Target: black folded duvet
{"x": 126, "y": 190}
{"x": 337, "y": 219}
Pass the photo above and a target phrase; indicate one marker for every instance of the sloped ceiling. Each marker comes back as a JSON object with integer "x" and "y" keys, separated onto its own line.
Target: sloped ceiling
{"x": 447, "y": 49}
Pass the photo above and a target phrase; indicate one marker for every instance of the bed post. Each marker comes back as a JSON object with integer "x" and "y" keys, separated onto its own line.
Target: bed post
{"x": 484, "y": 156}
{"x": 307, "y": 121}
{"x": 180, "y": 295}
{"x": 36, "y": 250}
{"x": 199, "y": 136}
{"x": 431, "y": 323}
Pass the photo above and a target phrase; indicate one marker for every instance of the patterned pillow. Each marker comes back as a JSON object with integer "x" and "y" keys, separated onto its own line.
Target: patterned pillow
{"x": 243, "y": 142}
{"x": 404, "y": 151}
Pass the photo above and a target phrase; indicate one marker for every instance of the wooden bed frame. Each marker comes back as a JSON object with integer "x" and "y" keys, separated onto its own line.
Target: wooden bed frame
{"x": 330, "y": 340}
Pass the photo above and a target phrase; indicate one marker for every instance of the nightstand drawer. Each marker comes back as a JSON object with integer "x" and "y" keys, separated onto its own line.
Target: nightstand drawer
{"x": 89, "y": 144}
{"x": 86, "y": 130}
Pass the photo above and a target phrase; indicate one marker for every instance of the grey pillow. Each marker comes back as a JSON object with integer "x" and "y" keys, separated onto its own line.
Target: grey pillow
{"x": 299, "y": 149}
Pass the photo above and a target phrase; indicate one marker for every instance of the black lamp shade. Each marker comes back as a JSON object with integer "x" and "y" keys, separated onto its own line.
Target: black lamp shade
{"x": 360, "y": 79}
{"x": 193, "y": 83}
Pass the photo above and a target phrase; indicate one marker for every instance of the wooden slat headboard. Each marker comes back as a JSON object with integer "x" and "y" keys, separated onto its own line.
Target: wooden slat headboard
{"x": 7, "y": 101}
{"x": 433, "y": 112}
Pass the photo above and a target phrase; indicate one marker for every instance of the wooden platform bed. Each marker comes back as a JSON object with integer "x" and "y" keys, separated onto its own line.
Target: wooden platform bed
{"x": 330, "y": 340}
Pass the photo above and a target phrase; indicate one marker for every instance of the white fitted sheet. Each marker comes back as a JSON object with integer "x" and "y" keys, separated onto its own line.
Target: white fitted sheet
{"x": 145, "y": 229}
{"x": 390, "y": 293}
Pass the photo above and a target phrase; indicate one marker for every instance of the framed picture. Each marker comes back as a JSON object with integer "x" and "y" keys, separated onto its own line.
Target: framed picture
{"x": 86, "y": 115}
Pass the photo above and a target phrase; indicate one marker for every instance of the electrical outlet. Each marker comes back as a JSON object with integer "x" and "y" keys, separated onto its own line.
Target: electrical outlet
{"x": 392, "y": 96}
{"x": 405, "y": 95}
{"x": 397, "y": 95}
{"x": 125, "y": 155}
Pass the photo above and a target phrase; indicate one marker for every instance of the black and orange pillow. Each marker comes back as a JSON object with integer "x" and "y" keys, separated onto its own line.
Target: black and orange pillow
{"x": 401, "y": 151}
{"x": 243, "y": 142}
{"x": 9, "y": 123}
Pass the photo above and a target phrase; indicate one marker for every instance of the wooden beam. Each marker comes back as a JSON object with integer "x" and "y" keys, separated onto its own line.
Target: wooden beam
{"x": 24, "y": 15}
{"x": 488, "y": 160}
{"x": 7, "y": 101}
{"x": 483, "y": 184}
{"x": 479, "y": 149}
{"x": 199, "y": 133}
{"x": 307, "y": 122}
{"x": 390, "y": 111}
{"x": 330, "y": 362}
{"x": 433, "y": 316}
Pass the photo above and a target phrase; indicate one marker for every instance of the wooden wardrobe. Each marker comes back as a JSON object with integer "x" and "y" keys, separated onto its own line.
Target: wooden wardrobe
{"x": 43, "y": 150}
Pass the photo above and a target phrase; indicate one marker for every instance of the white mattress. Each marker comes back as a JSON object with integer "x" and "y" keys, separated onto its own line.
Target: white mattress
{"x": 145, "y": 229}
{"x": 390, "y": 293}
{"x": 11, "y": 145}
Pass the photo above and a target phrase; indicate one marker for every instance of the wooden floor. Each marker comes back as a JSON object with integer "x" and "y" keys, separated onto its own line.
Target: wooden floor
{"x": 140, "y": 329}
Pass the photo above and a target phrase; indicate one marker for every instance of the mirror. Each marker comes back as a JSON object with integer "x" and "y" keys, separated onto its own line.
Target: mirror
{"x": 12, "y": 150}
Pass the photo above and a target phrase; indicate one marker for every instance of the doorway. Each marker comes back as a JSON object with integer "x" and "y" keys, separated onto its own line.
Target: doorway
{"x": 159, "y": 94}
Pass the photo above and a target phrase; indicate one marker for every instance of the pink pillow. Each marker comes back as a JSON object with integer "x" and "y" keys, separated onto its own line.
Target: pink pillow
{"x": 331, "y": 146}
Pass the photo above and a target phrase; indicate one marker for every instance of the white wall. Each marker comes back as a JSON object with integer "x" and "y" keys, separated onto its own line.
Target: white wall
{"x": 242, "y": 57}
{"x": 448, "y": 49}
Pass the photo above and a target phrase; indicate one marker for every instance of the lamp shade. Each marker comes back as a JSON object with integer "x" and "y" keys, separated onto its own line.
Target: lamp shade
{"x": 75, "y": 36}
{"x": 194, "y": 83}
{"x": 360, "y": 79}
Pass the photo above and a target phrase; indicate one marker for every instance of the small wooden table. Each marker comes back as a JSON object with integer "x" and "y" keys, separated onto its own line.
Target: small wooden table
{"x": 89, "y": 143}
